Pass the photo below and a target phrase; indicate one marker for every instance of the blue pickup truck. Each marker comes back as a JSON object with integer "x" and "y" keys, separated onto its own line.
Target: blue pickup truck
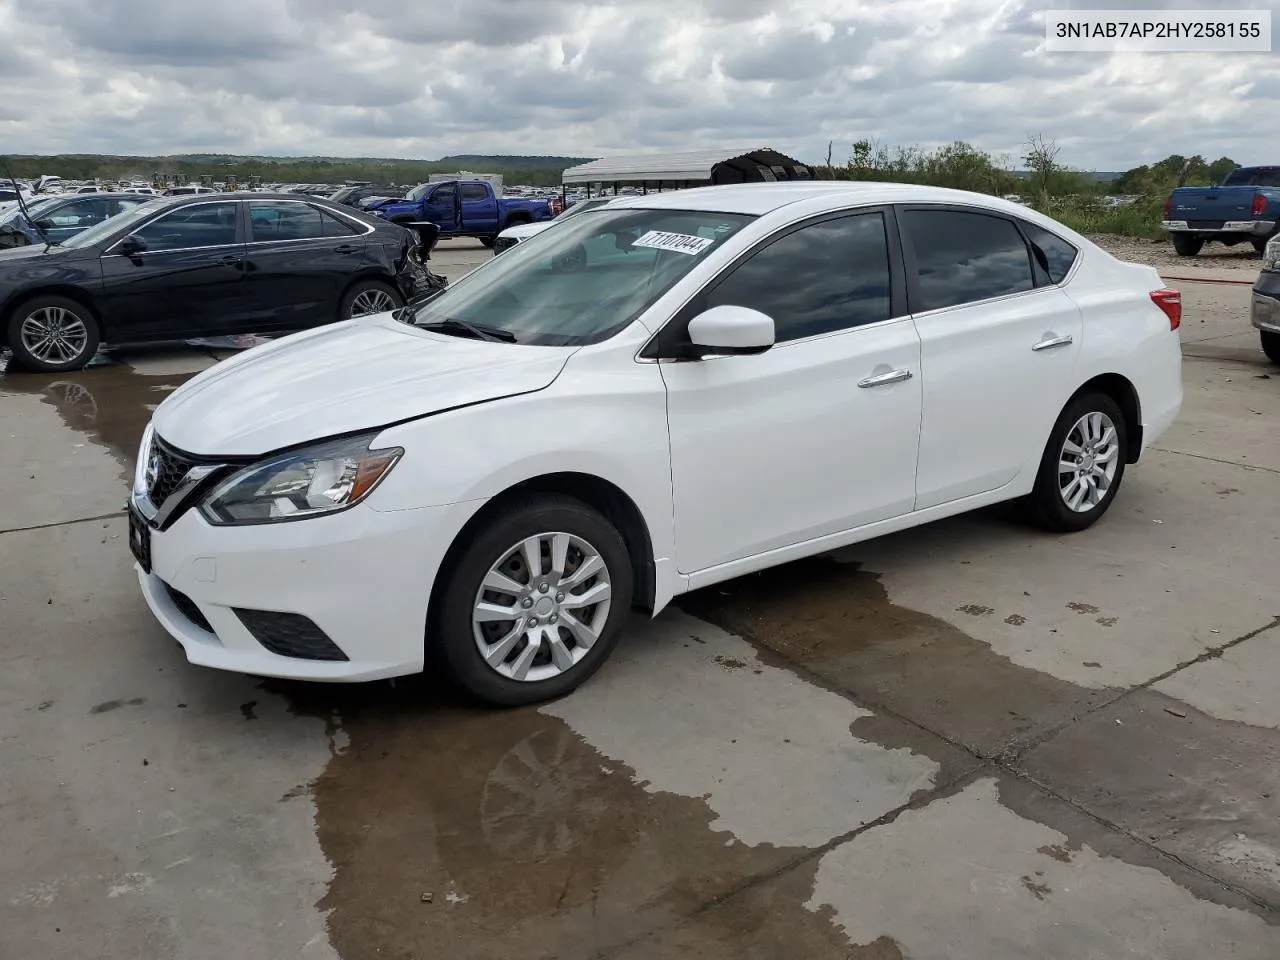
{"x": 462, "y": 208}
{"x": 1244, "y": 207}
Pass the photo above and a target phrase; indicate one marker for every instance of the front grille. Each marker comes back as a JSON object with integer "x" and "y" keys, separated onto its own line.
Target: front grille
{"x": 290, "y": 635}
{"x": 503, "y": 243}
{"x": 1205, "y": 224}
{"x": 165, "y": 469}
{"x": 187, "y": 607}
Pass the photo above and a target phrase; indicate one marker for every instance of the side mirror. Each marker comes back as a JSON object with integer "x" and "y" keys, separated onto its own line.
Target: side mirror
{"x": 730, "y": 330}
{"x": 131, "y": 246}
{"x": 45, "y": 224}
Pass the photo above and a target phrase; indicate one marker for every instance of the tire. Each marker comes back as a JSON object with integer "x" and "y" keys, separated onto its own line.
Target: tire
{"x": 488, "y": 241}
{"x": 366, "y": 293}
{"x": 453, "y": 635}
{"x": 1048, "y": 500}
{"x": 1186, "y": 244}
{"x": 1271, "y": 345}
{"x": 80, "y": 332}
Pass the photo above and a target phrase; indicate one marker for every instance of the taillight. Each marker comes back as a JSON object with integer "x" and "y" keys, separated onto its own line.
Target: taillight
{"x": 1259, "y": 205}
{"x": 1168, "y": 207}
{"x": 1170, "y": 301}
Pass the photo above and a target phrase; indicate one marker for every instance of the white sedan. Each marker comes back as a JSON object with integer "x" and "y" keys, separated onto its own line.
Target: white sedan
{"x": 653, "y": 397}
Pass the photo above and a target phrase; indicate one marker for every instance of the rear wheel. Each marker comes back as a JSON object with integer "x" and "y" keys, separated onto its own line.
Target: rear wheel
{"x": 53, "y": 334}
{"x": 1186, "y": 245}
{"x": 1271, "y": 345}
{"x": 534, "y": 603}
{"x": 368, "y": 297}
{"x": 1082, "y": 465}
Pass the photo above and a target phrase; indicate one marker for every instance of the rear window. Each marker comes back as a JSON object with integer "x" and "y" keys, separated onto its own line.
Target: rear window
{"x": 1253, "y": 177}
{"x": 1053, "y": 256}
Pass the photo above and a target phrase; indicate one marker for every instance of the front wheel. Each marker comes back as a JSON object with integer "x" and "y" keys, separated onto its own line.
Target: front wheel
{"x": 1082, "y": 465}
{"x": 369, "y": 297}
{"x": 1271, "y": 345}
{"x": 488, "y": 241}
{"x": 53, "y": 335}
{"x": 1186, "y": 245}
{"x": 534, "y": 603}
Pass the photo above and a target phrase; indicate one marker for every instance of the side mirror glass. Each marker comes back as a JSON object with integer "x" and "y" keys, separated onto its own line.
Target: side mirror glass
{"x": 132, "y": 246}
{"x": 731, "y": 330}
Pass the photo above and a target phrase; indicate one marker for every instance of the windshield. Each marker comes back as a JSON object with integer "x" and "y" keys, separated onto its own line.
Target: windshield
{"x": 1256, "y": 177}
{"x": 11, "y": 209}
{"x": 420, "y": 191}
{"x": 121, "y": 221}
{"x": 584, "y": 281}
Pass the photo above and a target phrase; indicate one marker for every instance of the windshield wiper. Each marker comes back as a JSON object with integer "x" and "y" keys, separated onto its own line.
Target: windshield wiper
{"x": 455, "y": 326}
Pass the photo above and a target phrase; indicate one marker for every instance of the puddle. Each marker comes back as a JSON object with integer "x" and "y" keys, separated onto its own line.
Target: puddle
{"x": 524, "y": 839}
{"x": 580, "y": 827}
{"x": 110, "y": 401}
{"x": 836, "y": 621}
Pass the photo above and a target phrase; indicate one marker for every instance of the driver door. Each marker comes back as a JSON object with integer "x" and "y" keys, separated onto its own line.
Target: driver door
{"x": 188, "y": 282}
{"x": 817, "y": 435}
{"x": 443, "y": 208}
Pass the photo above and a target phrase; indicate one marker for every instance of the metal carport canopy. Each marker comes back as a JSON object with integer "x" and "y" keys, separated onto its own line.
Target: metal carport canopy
{"x": 670, "y": 167}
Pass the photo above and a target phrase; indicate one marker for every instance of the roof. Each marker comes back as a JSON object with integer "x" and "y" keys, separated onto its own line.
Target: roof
{"x": 757, "y": 199}
{"x": 696, "y": 165}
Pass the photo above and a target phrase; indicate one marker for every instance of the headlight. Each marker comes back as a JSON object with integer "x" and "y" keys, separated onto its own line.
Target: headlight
{"x": 1271, "y": 256}
{"x": 322, "y": 479}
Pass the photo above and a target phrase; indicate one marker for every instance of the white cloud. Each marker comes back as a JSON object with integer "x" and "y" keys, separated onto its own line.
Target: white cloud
{"x": 593, "y": 77}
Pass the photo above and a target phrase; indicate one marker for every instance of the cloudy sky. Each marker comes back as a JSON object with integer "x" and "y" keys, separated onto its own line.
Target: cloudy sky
{"x": 425, "y": 78}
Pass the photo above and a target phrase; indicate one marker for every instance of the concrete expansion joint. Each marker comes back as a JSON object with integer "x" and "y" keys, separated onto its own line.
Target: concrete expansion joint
{"x": 66, "y": 523}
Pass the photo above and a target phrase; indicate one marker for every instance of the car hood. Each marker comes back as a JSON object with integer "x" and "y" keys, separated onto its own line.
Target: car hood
{"x": 37, "y": 251}
{"x": 346, "y": 377}
{"x": 523, "y": 231}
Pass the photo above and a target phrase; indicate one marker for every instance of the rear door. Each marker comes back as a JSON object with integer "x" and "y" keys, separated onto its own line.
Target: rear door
{"x": 188, "y": 281}
{"x": 298, "y": 261}
{"x": 999, "y": 344}
{"x": 479, "y": 209}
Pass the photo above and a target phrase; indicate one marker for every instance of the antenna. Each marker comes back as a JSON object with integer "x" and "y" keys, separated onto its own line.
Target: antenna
{"x": 22, "y": 205}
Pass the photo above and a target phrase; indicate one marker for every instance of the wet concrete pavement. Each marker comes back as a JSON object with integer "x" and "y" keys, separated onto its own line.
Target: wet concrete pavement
{"x": 971, "y": 740}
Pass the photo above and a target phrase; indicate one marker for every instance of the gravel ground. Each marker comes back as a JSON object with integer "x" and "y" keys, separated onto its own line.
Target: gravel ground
{"x": 1159, "y": 253}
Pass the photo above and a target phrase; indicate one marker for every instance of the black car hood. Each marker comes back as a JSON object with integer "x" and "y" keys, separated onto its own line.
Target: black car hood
{"x": 37, "y": 251}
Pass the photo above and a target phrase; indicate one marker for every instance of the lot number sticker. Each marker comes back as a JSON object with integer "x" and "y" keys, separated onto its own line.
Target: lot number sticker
{"x": 675, "y": 242}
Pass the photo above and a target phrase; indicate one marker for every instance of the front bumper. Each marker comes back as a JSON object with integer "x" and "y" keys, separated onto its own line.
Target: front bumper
{"x": 1264, "y": 311}
{"x": 1255, "y": 228}
{"x": 363, "y": 577}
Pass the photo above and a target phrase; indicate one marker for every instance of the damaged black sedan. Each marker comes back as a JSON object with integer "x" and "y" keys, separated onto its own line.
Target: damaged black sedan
{"x": 175, "y": 268}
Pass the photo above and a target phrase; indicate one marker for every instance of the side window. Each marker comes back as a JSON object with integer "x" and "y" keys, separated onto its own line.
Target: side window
{"x": 474, "y": 191}
{"x": 80, "y": 213}
{"x": 443, "y": 197}
{"x": 284, "y": 221}
{"x": 965, "y": 257}
{"x": 827, "y": 276}
{"x": 335, "y": 226}
{"x": 1053, "y": 255}
{"x": 201, "y": 225}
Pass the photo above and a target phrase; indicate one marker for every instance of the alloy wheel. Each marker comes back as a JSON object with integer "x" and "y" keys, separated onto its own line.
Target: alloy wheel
{"x": 54, "y": 335}
{"x": 372, "y": 301}
{"x": 1087, "y": 462}
{"x": 541, "y": 607}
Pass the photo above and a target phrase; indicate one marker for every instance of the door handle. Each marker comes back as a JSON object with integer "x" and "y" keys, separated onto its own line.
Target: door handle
{"x": 1052, "y": 342}
{"x": 230, "y": 260}
{"x": 880, "y": 379}
{"x": 345, "y": 248}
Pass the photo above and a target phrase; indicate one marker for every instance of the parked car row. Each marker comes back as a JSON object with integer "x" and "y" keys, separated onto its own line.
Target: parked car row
{"x": 170, "y": 268}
